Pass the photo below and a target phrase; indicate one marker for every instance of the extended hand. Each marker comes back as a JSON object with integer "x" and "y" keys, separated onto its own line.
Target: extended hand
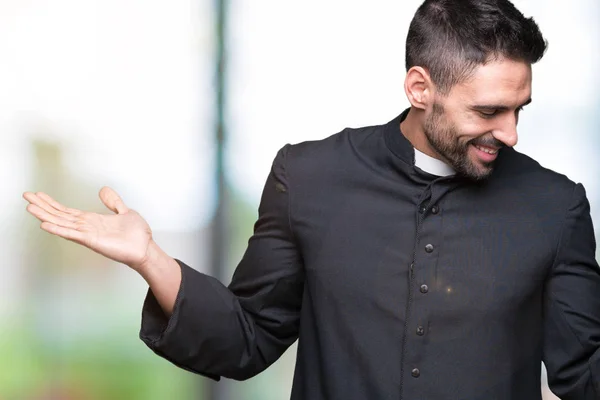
{"x": 124, "y": 237}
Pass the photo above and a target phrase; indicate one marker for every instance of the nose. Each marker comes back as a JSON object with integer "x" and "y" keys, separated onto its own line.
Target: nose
{"x": 507, "y": 131}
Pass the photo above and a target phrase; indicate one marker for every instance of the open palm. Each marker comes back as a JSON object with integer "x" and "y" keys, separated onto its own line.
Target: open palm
{"x": 123, "y": 237}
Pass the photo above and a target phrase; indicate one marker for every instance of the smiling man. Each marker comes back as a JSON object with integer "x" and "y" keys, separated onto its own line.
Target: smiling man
{"x": 467, "y": 127}
{"x": 424, "y": 258}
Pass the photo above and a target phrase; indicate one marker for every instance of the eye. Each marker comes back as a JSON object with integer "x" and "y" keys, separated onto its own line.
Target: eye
{"x": 488, "y": 114}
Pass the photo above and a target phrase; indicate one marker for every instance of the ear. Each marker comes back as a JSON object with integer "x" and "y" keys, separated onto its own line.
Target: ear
{"x": 418, "y": 87}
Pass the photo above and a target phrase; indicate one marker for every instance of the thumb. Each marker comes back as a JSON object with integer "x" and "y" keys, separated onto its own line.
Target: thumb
{"x": 112, "y": 200}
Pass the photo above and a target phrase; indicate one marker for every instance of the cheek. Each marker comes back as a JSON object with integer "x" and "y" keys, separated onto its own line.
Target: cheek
{"x": 471, "y": 128}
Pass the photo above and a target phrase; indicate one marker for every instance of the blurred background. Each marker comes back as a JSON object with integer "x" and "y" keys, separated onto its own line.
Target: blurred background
{"x": 180, "y": 106}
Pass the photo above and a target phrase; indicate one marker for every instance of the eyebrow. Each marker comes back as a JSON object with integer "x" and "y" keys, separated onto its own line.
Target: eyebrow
{"x": 498, "y": 107}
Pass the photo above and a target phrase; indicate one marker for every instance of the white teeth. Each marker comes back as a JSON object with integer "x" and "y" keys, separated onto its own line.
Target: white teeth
{"x": 487, "y": 150}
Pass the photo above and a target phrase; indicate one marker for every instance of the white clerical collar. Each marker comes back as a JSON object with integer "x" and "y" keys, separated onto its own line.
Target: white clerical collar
{"x": 432, "y": 165}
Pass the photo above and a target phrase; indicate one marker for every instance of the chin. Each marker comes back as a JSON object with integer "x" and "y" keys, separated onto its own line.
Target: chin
{"x": 476, "y": 172}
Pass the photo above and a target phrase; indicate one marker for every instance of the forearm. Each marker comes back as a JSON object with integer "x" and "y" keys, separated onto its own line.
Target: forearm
{"x": 163, "y": 275}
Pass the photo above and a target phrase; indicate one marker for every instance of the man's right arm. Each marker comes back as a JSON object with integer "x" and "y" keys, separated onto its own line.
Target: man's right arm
{"x": 199, "y": 324}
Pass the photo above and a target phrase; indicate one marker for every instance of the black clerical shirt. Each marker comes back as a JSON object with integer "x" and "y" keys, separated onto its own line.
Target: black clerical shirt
{"x": 399, "y": 284}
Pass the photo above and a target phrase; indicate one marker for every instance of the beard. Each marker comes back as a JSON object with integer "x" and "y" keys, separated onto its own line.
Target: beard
{"x": 444, "y": 137}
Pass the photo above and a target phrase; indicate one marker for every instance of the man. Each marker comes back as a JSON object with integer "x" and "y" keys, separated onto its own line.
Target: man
{"x": 420, "y": 259}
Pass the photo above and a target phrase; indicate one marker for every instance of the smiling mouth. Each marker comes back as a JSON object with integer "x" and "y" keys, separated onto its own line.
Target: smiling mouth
{"x": 485, "y": 154}
{"x": 486, "y": 149}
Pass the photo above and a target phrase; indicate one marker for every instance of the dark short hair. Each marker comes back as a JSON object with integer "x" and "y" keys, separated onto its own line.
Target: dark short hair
{"x": 450, "y": 38}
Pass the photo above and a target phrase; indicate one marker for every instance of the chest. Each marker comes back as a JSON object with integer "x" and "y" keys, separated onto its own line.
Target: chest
{"x": 471, "y": 250}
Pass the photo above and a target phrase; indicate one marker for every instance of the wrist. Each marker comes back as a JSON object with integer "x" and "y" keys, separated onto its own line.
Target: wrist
{"x": 155, "y": 263}
{"x": 163, "y": 275}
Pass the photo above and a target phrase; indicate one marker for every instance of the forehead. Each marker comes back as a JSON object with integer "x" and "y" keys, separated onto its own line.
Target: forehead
{"x": 498, "y": 82}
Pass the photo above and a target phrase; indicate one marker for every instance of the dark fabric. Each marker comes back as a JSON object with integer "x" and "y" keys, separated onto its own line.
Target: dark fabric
{"x": 400, "y": 284}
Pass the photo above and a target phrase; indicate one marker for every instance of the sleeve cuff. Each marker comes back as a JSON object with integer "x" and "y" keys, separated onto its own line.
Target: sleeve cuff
{"x": 159, "y": 332}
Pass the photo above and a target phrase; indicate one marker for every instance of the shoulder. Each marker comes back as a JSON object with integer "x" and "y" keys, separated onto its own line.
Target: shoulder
{"x": 522, "y": 173}
{"x": 520, "y": 165}
{"x": 332, "y": 152}
{"x": 333, "y": 144}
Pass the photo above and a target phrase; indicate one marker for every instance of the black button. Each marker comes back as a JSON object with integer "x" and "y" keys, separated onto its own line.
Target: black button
{"x": 415, "y": 372}
{"x": 422, "y": 209}
{"x": 429, "y": 248}
{"x": 435, "y": 209}
{"x": 424, "y": 288}
{"x": 420, "y": 331}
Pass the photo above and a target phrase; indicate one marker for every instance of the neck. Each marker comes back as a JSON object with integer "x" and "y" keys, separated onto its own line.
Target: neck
{"x": 412, "y": 128}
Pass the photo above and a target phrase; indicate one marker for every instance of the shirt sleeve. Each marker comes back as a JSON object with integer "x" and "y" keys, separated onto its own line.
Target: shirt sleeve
{"x": 239, "y": 330}
{"x": 572, "y": 308}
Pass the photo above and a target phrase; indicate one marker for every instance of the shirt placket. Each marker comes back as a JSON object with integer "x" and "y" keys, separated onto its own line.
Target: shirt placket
{"x": 428, "y": 243}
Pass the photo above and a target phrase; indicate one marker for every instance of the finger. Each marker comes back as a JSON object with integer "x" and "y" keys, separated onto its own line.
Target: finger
{"x": 69, "y": 234}
{"x": 45, "y": 216}
{"x": 56, "y": 204}
{"x": 112, "y": 200}
{"x": 40, "y": 202}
